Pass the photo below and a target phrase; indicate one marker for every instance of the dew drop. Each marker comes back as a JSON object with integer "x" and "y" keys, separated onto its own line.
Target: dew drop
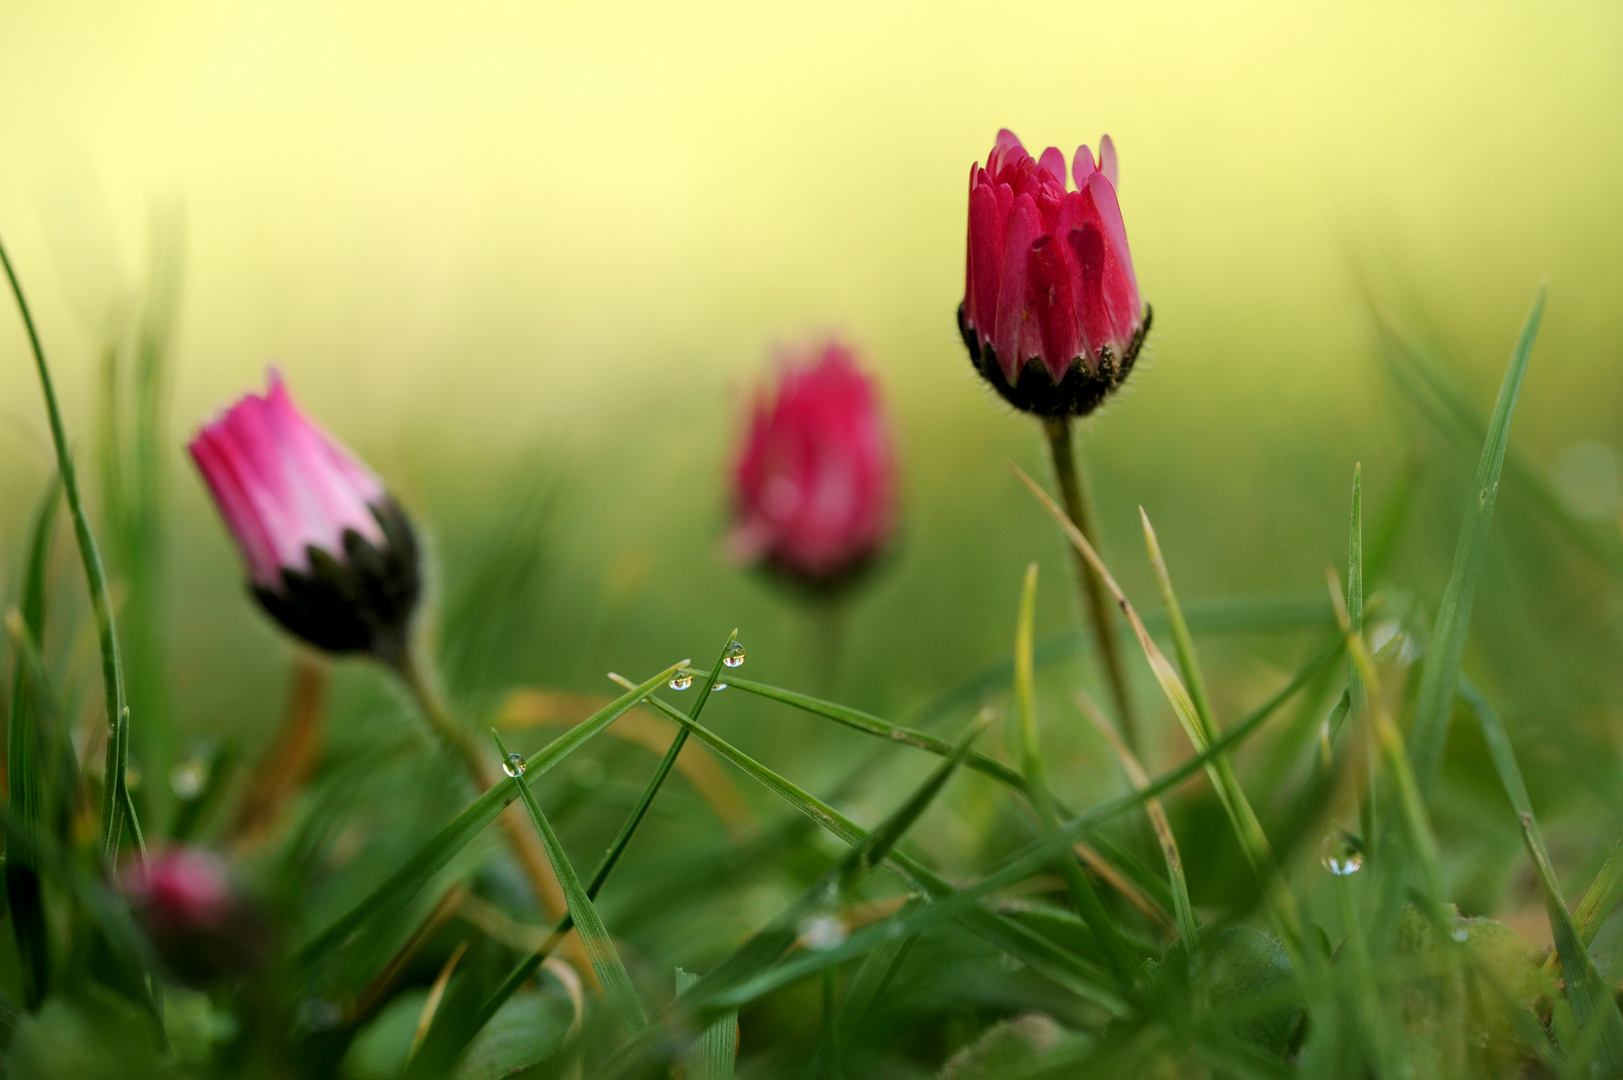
{"x": 186, "y": 779}
{"x": 513, "y": 765}
{"x": 681, "y": 680}
{"x": 1461, "y": 934}
{"x": 733, "y": 655}
{"x": 822, "y": 932}
{"x": 718, "y": 686}
{"x": 1342, "y": 853}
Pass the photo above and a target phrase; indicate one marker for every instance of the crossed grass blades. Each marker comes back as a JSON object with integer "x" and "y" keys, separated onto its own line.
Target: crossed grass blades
{"x": 1089, "y": 915}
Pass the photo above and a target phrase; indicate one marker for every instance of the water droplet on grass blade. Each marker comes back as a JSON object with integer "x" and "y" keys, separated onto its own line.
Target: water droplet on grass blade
{"x": 718, "y": 686}
{"x": 513, "y": 765}
{"x": 1342, "y": 853}
{"x": 1461, "y": 934}
{"x": 186, "y": 779}
{"x": 681, "y": 680}
{"x": 733, "y": 655}
{"x": 822, "y": 932}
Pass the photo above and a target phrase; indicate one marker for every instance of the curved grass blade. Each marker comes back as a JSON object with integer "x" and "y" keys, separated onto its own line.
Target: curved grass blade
{"x": 1093, "y": 912}
{"x": 1215, "y": 616}
{"x": 716, "y": 1048}
{"x": 1042, "y": 955}
{"x": 394, "y": 892}
{"x": 1120, "y": 861}
{"x": 1185, "y": 912}
{"x": 1197, "y": 719}
{"x": 28, "y": 745}
{"x": 1592, "y": 1002}
{"x": 445, "y": 1041}
{"x": 600, "y": 950}
{"x": 1434, "y": 702}
{"x": 115, "y": 797}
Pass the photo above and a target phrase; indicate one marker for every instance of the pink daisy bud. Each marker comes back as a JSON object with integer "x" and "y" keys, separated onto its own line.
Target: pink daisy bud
{"x": 814, "y": 480}
{"x": 201, "y": 926}
{"x": 329, "y": 554}
{"x": 1051, "y": 313}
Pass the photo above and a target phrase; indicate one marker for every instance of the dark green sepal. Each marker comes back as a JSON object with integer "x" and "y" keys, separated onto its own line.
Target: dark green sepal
{"x": 360, "y": 603}
{"x": 1082, "y": 390}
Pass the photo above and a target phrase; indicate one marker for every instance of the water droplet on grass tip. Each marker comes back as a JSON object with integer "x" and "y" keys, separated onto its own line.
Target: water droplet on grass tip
{"x": 1342, "y": 853}
{"x": 513, "y": 765}
{"x": 681, "y": 681}
{"x": 186, "y": 779}
{"x": 733, "y": 655}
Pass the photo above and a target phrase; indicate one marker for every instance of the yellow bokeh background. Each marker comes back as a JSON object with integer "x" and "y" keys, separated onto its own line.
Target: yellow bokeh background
{"x": 461, "y": 228}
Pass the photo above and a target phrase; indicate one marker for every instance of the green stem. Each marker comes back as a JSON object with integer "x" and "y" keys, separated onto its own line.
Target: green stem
{"x": 531, "y": 860}
{"x": 115, "y": 798}
{"x": 1074, "y": 495}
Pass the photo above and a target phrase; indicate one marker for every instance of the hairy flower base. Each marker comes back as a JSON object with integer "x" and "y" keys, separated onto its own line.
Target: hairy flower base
{"x": 1078, "y": 394}
{"x": 362, "y": 604}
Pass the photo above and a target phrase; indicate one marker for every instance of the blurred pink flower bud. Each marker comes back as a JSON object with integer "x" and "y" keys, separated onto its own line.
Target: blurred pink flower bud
{"x": 202, "y": 927}
{"x": 329, "y": 554}
{"x": 814, "y": 482}
{"x": 1051, "y": 313}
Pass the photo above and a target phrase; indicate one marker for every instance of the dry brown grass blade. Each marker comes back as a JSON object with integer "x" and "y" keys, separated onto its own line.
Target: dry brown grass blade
{"x": 531, "y": 708}
{"x": 435, "y": 994}
{"x": 384, "y": 982}
{"x": 290, "y": 758}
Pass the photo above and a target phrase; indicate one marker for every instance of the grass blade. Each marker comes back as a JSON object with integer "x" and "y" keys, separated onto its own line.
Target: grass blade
{"x": 1087, "y": 902}
{"x": 1120, "y": 864}
{"x": 1438, "y": 681}
{"x": 115, "y": 797}
{"x": 714, "y": 1051}
{"x": 1157, "y": 814}
{"x": 1592, "y": 1002}
{"x": 600, "y": 950}
{"x": 446, "y": 1041}
{"x": 28, "y": 746}
{"x": 394, "y": 892}
{"x": 1044, "y": 956}
{"x": 1198, "y": 723}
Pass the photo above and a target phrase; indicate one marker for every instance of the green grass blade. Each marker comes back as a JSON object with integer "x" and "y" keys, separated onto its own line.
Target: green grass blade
{"x": 396, "y": 890}
{"x": 1438, "y": 681}
{"x": 1121, "y": 860}
{"x": 28, "y": 745}
{"x": 1603, "y": 894}
{"x": 873, "y": 978}
{"x": 1179, "y": 886}
{"x": 1087, "y": 902}
{"x": 115, "y": 798}
{"x": 1423, "y": 378}
{"x": 713, "y": 1053}
{"x": 600, "y": 950}
{"x": 1220, "y": 615}
{"x": 1590, "y": 996}
{"x": 1044, "y": 956}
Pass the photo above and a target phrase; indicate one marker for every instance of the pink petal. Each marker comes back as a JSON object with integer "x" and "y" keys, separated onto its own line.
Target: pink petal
{"x": 1081, "y": 166}
{"x": 1053, "y": 163}
{"x": 1107, "y": 160}
{"x": 1011, "y": 298}
{"x": 1052, "y": 306}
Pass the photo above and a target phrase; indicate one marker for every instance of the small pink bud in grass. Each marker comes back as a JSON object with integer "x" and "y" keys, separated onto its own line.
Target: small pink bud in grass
{"x": 1051, "y": 315}
{"x": 200, "y": 924}
{"x": 814, "y": 480}
{"x": 330, "y": 555}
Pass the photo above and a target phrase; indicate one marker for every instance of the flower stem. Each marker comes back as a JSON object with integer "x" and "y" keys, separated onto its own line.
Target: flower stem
{"x": 826, "y": 630}
{"x": 1074, "y": 495}
{"x": 116, "y": 802}
{"x": 526, "y": 849}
